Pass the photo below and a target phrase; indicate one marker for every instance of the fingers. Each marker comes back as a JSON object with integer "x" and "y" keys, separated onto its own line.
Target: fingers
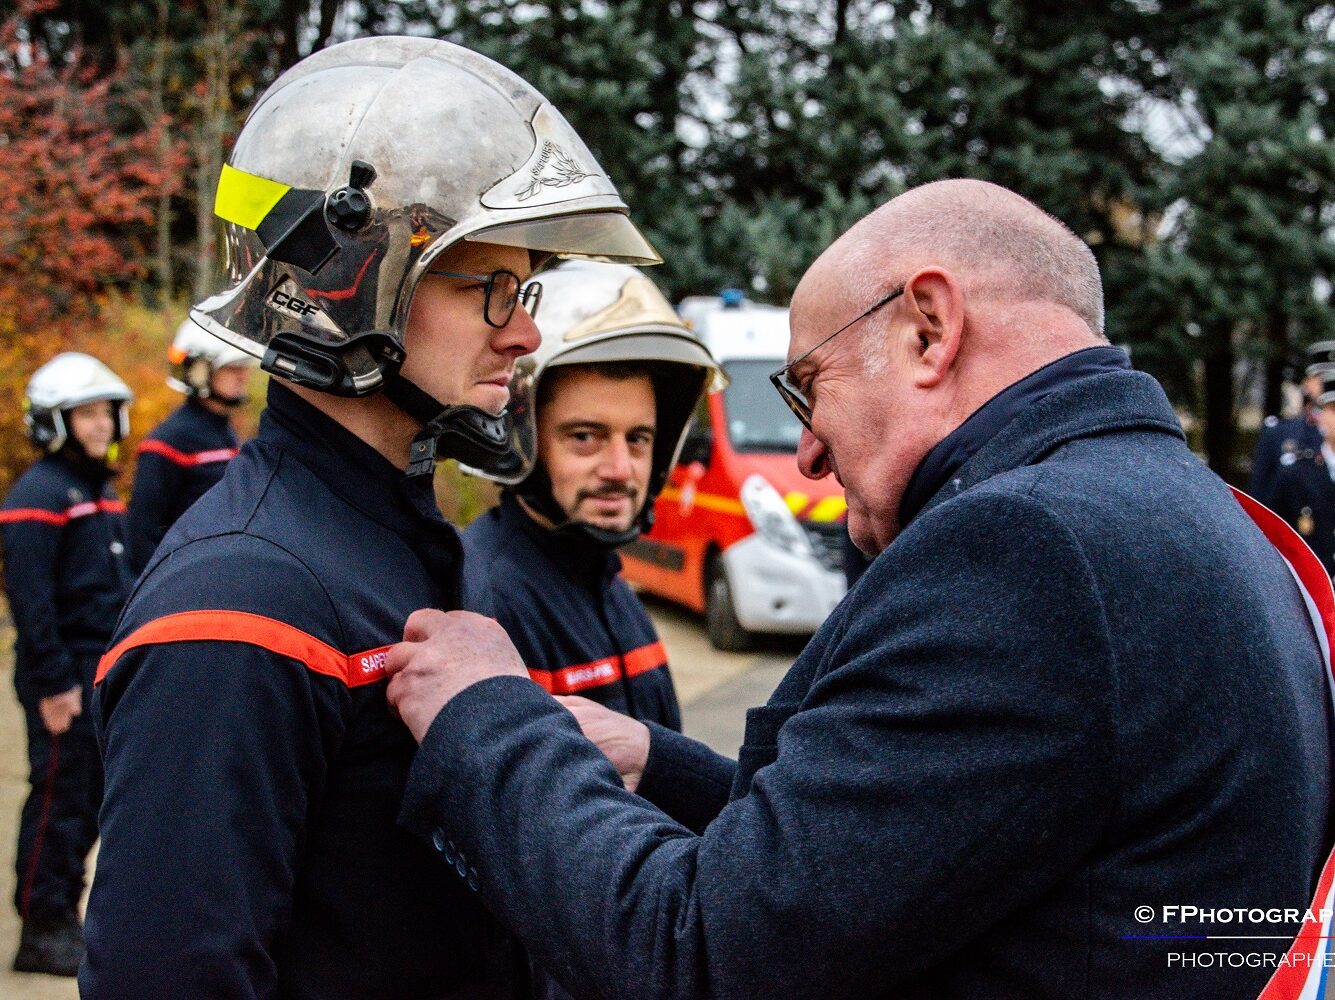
{"x": 423, "y": 624}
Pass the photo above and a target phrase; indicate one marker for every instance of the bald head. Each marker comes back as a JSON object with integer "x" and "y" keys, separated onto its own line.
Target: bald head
{"x": 988, "y": 288}
{"x": 1001, "y": 246}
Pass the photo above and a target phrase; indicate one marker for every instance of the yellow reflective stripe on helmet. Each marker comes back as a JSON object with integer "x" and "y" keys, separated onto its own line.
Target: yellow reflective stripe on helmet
{"x": 828, "y": 509}
{"x": 245, "y": 199}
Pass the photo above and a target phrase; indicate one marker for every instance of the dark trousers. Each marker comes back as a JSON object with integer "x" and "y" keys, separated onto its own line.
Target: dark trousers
{"x": 58, "y": 825}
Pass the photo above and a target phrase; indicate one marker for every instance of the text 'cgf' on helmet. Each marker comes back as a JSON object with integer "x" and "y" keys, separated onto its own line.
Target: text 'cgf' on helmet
{"x": 354, "y": 171}
{"x": 595, "y": 313}
{"x": 66, "y": 381}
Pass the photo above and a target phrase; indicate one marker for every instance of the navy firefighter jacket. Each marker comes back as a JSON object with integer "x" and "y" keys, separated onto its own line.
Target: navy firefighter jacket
{"x": 1304, "y": 495}
{"x": 253, "y": 768}
{"x": 576, "y": 623}
{"x": 66, "y": 572}
{"x": 178, "y": 463}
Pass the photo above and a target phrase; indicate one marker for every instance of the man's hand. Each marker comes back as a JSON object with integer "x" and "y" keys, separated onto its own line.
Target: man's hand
{"x": 58, "y": 710}
{"x": 623, "y": 740}
{"x": 441, "y": 654}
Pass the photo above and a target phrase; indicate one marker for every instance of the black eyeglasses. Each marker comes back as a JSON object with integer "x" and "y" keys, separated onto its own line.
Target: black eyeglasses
{"x": 504, "y": 292}
{"x": 793, "y": 395}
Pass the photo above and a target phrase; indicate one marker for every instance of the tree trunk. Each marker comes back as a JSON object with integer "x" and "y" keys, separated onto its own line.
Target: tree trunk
{"x": 1220, "y": 433}
{"x": 1277, "y": 337}
{"x": 209, "y": 139}
{"x": 157, "y": 106}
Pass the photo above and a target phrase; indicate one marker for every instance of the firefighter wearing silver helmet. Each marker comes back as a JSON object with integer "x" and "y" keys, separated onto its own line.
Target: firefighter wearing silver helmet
{"x": 184, "y": 456}
{"x": 66, "y": 576}
{"x": 610, "y": 392}
{"x": 334, "y": 219}
{"x": 386, "y": 204}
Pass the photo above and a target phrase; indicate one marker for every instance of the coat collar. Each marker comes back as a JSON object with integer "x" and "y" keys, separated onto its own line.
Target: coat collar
{"x": 351, "y": 468}
{"x": 1108, "y": 402}
{"x": 575, "y": 556}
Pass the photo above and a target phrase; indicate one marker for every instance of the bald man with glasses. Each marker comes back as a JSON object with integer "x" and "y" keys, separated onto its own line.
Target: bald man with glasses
{"x": 1077, "y": 687}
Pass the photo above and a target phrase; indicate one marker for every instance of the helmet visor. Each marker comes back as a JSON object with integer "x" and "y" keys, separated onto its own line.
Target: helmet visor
{"x": 607, "y": 236}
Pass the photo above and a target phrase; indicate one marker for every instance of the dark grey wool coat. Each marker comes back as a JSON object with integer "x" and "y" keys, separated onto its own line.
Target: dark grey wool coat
{"x": 1080, "y": 682}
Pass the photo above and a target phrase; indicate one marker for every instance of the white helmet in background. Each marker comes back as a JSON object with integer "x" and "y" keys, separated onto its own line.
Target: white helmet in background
{"x": 195, "y": 355}
{"x": 353, "y": 172}
{"x": 608, "y": 314}
{"x": 66, "y": 381}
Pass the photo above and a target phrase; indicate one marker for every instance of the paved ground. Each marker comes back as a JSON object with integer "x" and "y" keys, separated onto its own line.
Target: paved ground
{"x": 715, "y": 689}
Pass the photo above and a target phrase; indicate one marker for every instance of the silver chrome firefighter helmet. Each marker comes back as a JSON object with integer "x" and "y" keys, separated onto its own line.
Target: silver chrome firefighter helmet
{"x": 66, "y": 381}
{"x": 195, "y": 355}
{"x": 599, "y": 314}
{"x": 354, "y": 171}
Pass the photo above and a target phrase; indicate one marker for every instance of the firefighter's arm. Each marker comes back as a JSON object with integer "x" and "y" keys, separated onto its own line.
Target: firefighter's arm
{"x": 157, "y": 482}
{"x": 213, "y": 754}
{"x": 32, "y": 553}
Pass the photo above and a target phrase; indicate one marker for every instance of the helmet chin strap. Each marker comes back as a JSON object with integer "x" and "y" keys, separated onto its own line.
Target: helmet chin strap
{"x": 466, "y": 433}
{"x": 536, "y": 491}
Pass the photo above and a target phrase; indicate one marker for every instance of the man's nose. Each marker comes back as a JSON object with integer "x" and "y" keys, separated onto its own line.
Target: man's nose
{"x": 813, "y": 457}
{"x": 615, "y": 465}
{"x": 518, "y": 337}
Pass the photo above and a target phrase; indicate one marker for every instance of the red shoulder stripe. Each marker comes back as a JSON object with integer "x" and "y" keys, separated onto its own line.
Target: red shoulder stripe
{"x": 186, "y": 458}
{"x": 354, "y": 669}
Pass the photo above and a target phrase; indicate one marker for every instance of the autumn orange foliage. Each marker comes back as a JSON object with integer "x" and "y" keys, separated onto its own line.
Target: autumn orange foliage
{"x": 78, "y": 179}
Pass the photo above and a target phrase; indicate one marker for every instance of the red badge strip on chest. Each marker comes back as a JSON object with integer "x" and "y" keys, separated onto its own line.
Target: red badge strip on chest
{"x": 354, "y": 669}
{"x": 582, "y": 676}
{"x": 61, "y": 518}
{"x": 1302, "y": 973}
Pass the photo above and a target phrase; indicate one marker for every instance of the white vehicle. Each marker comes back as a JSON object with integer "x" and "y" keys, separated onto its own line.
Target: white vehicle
{"x": 739, "y": 533}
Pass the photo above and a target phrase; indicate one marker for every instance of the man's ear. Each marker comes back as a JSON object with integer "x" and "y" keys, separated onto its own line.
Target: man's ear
{"x": 936, "y": 308}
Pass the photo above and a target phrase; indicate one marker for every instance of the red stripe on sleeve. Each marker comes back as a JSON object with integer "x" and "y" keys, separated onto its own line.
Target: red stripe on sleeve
{"x": 354, "y": 669}
{"x": 186, "y": 459}
{"x": 33, "y": 514}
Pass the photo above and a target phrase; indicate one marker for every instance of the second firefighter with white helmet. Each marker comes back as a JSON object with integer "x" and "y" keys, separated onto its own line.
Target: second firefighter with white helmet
{"x": 386, "y": 203}
{"x": 182, "y": 458}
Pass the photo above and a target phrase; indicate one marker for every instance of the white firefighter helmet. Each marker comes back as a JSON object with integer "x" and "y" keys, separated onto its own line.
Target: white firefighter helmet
{"x": 195, "y": 355}
{"x": 605, "y": 314}
{"x": 66, "y": 381}
{"x": 355, "y": 170}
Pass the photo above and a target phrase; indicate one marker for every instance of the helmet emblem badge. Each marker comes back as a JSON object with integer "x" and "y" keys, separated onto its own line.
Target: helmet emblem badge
{"x": 563, "y": 172}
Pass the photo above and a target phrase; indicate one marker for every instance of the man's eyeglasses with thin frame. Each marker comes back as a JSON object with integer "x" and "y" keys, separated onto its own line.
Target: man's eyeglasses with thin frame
{"x": 504, "y": 291}
{"x": 794, "y": 395}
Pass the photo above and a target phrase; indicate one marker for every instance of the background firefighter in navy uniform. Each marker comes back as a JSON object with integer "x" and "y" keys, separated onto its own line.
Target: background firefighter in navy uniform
{"x": 611, "y": 389}
{"x": 1304, "y": 493}
{"x": 1283, "y": 440}
{"x": 66, "y": 575}
{"x": 253, "y": 770}
{"x": 186, "y": 454}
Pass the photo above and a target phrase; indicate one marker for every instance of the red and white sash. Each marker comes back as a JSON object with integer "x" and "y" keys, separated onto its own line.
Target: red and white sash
{"x": 1303, "y": 973}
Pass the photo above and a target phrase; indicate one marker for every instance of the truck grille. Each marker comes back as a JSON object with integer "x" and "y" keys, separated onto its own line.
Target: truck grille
{"x": 827, "y": 540}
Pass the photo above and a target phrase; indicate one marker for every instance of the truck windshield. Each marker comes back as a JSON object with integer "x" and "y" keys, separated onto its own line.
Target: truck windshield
{"x": 758, "y": 420}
